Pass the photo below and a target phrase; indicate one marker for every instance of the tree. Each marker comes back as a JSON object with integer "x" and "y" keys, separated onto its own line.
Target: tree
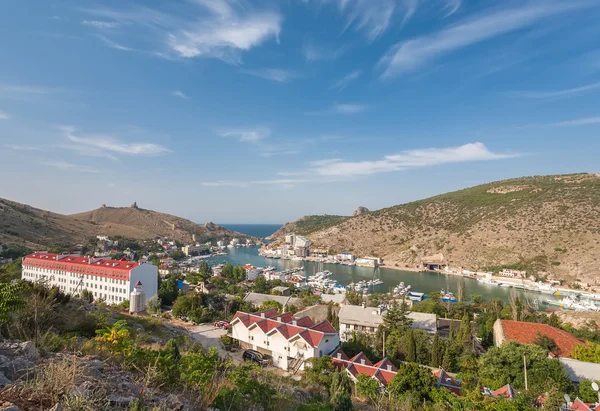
{"x": 261, "y": 285}
{"x": 590, "y": 352}
{"x": 354, "y": 298}
{"x": 9, "y": 300}
{"x": 411, "y": 348}
{"x": 396, "y": 318}
{"x": 412, "y": 379}
{"x": 368, "y": 387}
{"x": 168, "y": 291}
{"x": 319, "y": 371}
{"x": 585, "y": 391}
{"x": 153, "y": 306}
{"x": 436, "y": 353}
{"x": 545, "y": 342}
{"x": 271, "y": 304}
{"x": 461, "y": 292}
{"x": 87, "y": 295}
{"x": 465, "y": 337}
{"x": 190, "y": 305}
{"x": 340, "y": 391}
{"x": 447, "y": 359}
{"x": 504, "y": 365}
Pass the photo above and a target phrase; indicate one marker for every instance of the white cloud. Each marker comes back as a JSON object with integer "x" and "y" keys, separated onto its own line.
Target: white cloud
{"x": 253, "y": 135}
{"x": 273, "y": 74}
{"x": 577, "y": 122}
{"x": 180, "y": 94}
{"x": 4, "y": 115}
{"x": 312, "y": 52}
{"x": 326, "y": 162}
{"x": 410, "y": 159}
{"x": 23, "y": 89}
{"x": 558, "y": 93}
{"x": 341, "y": 84}
{"x": 22, "y": 148}
{"x": 375, "y": 17}
{"x": 340, "y": 108}
{"x": 112, "y": 44}
{"x": 199, "y": 28}
{"x": 349, "y": 108}
{"x": 452, "y": 6}
{"x": 101, "y": 25}
{"x": 288, "y": 182}
{"x": 110, "y": 145}
{"x": 409, "y": 55}
{"x": 65, "y": 166}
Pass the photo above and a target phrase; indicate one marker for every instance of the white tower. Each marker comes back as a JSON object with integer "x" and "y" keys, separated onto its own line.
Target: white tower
{"x": 137, "y": 300}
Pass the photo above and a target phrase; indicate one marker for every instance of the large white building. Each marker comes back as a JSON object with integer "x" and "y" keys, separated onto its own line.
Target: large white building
{"x": 366, "y": 320}
{"x": 111, "y": 280}
{"x": 289, "y": 341}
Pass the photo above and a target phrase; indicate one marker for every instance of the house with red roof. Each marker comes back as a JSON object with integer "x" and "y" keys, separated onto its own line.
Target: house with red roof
{"x": 384, "y": 370}
{"x": 288, "y": 340}
{"x": 527, "y": 333}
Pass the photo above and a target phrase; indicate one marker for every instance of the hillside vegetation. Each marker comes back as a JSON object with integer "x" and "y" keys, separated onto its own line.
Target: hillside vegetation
{"x": 308, "y": 224}
{"x": 23, "y": 225}
{"x": 544, "y": 224}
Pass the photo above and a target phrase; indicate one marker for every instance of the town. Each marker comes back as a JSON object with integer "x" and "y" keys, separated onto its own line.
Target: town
{"x": 393, "y": 348}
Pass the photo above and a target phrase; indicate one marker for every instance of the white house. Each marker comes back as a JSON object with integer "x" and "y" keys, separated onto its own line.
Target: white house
{"x": 289, "y": 341}
{"x": 111, "y": 280}
{"x": 357, "y": 318}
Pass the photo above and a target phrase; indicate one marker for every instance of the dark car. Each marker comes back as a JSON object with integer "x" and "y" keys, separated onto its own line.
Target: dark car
{"x": 255, "y": 356}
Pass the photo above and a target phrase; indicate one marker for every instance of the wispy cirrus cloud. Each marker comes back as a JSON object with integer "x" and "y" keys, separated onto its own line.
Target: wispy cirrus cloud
{"x": 313, "y": 52}
{"x": 452, "y": 7}
{"x": 66, "y": 166}
{"x": 99, "y": 24}
{"x": 180, "y": 94}
{"x": 14, "y": 89}
{"x": 273, "y": 74}
{"x": 195, "y": 29}
{"x": 576, "y": 122}
{"x": 113, "y": 44}
{"x": 4, "y": 115}
{"x": 275, "y": 182}
{"x": 108, "y": 146}
{"x": 343, "y": 82}
{"x": 249, "y": 135}
{"x": 340, "y": 108}
{"x": 373, "y": 18}
{"x": 558, "y": 93}
{"x": 408, "y": 56}
{"x": 409, "y": 159}
{"x": 18, "y": 147}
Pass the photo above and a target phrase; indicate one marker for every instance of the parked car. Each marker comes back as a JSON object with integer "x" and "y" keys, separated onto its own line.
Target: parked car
{"x": 222, "y": 324}
{"x": 255, "y": 356}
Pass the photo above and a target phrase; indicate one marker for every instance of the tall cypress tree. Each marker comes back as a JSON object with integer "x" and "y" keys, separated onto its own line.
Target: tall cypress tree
{"x": 435, "y": 352}
{"x": 411, "y": 347}
{"x": 447, "y": 360}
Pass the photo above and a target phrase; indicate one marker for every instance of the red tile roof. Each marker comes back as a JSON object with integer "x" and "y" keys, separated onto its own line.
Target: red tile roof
{"x": 527, "y": 333}
{"x": 384, "y": 365}
{"x": 270, "y": 322}
{"x": 579, "y": 405}
{"x": 507, "y": 392}
{"x": 82, "y": 265}
{"x": 324, "y": 326}
{"x": 359, "y": 357}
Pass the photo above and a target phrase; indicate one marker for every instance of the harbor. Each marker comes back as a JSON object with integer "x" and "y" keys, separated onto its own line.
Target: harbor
{"x": 386, "y": 280}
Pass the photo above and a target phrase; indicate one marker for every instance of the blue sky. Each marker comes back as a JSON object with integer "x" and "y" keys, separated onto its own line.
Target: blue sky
{"x": 264, "y": 111}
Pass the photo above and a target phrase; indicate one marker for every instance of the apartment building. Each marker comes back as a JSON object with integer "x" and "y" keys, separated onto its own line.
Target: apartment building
{"x": 289, "y": 341}
{"x": 110, "y": 280}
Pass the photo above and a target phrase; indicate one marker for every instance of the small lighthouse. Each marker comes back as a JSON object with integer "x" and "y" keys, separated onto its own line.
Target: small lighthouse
{"x": 137, "y": 300}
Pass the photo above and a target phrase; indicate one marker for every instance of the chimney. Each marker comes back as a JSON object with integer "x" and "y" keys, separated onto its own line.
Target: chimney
{"x": 362, "y": 361}
{"x": 294, "y": 322}
{"x": 339, "y": 356}
{"x": 279, "y": 319}
{"x": 262, "y": 315}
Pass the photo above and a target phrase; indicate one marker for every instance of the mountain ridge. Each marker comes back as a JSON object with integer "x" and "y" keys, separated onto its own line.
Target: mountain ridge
{"x": 31, "y": 227}
{"x": 547, "y": 225}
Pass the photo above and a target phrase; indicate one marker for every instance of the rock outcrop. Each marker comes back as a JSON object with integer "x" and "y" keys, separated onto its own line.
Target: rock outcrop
{"x": 360, "y": 211}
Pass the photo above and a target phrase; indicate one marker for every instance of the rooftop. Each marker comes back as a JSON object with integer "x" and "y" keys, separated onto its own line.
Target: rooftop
{"x": 526, "y": 333}
{"x": 373, "y": 317}
{"x": 80, "y": 264}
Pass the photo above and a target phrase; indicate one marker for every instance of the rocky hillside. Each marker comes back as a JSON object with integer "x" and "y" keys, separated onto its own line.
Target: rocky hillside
{"x": 307, "y": 225}
{"x": 544, "y": 224}
{"x": 23, "y": 225}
